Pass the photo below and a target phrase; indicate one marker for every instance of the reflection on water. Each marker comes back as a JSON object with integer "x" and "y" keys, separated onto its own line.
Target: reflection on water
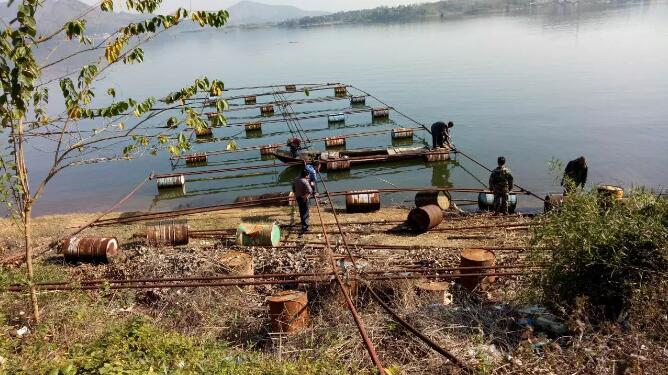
{"x": 440, "y": 174}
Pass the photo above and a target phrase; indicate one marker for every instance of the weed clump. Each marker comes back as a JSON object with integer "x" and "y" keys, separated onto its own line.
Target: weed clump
{"x": 604, "y": 251}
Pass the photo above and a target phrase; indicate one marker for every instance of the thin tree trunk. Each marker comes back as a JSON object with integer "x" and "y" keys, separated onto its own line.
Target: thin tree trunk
{"x": 27, "y": 236}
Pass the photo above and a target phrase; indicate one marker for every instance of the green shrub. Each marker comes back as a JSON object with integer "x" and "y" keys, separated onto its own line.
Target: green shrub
{"x": 139, "y": 347}
{"x": 605, "y": 253}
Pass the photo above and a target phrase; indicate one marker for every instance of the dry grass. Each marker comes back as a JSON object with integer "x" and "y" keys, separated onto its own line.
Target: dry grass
{"x": 480, "y": 329}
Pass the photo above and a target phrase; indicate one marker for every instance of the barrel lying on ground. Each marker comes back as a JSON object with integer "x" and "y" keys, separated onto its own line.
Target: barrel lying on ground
{"x": 362, "y": 201}
{"x": 258, "y": 235}
{"x": 486, "y": 202}
{"x": 288, "y": 311}
{"x": 439, "y": 198}
{"x": 290, "y": 88}
{"x": 89, "y": 249}
{"x": 422, "y": 219}
{"x": 168, "y": 232}
{"x": 477, "y": 258}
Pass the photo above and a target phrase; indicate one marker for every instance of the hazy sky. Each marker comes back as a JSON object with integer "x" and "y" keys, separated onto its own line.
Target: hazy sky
{"x": 325, "y": 5}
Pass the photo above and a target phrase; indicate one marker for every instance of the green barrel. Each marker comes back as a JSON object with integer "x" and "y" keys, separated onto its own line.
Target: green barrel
{"x": 258, "y": 235}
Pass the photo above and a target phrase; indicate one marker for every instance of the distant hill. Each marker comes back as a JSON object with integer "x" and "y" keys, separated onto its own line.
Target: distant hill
{"x": 415, "y": 12}
{"x": 250, "y": 12}
{"x": 55, "y": 13}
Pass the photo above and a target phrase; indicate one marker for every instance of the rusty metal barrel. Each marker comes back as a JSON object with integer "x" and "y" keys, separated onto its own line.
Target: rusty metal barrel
{"x": 338, "y": 164}
{"x": 477, "y": 258}
{"x": 170, "y": 181}
{"x": 398, "y": 133}
{"x": 203, "y": 133}
{"x": 380, "y": 113}
{"x": 611, "y": 191}
{"x": 438, "y": 154}
{"x": 335, "y": 141}
{"x": 251, "y": 99}
{"x": 267, "y": 110}
{"x": 288, "y": 311}
{"x": 268, "y": 149}
{"x": 357, "y": 100}
{"x": 196, "y": 158}
{"x": 290, "y": 88}
{"x": 362, "y": 201}
{"x": 258, "y": 235}
{"x": 424, "y": 218}
{"x": 167, "y": 232}
{"x": 433, "y": 292}
{"x": 237, "y": 263}
{"x": 486, "y": 202}
{"x": 552, "y": 201}
{"x": 439, "y": 198}
{"x": 89, "y": 249}
{"x": 340, "y": 91}
{"x": 253, "y": 126}
{"x": 336, "y": 117}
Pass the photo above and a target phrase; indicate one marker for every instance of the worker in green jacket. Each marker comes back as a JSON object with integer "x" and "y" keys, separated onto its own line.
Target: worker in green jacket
{"x": 500, "y": 183}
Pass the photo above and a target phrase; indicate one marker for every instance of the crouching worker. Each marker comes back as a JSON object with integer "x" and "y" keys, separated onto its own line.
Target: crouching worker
{"x": 301, "y": 187}
{"x": 500, "y": 183}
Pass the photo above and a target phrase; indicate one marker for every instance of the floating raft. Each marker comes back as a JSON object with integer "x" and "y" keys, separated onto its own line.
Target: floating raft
{"x": 363, "y": 156}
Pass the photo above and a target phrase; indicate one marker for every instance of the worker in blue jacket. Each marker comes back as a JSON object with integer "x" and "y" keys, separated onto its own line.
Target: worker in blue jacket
{"x": 313, "y": 170}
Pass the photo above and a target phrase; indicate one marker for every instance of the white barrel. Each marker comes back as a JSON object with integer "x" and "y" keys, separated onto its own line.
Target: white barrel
{"x": 171, "y": 181}
{"x": 336, "y": 117}
{"x": 398, "y": 133}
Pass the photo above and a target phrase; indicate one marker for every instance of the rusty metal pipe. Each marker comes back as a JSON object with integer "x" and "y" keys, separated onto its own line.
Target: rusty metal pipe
{"x": 169, "y": 285}
{"x": 358, "y": 320}
{"x": 202, "y": 278}
{"x": 451, "y": 357}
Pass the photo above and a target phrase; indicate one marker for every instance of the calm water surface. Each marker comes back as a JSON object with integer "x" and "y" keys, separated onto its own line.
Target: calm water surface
{"x": 530, "y": 87}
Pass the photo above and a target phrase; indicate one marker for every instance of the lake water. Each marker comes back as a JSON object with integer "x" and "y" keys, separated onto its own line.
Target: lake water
{"x": 555, "y": 84}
